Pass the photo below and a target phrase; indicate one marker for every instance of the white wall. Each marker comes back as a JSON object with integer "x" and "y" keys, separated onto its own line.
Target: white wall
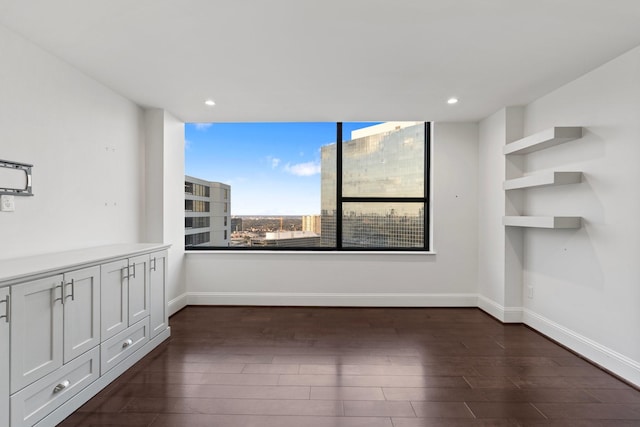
{"x": 586, "y": 281}
{"x": 447, "y": 278}
{"x": 500, "y": 249}
{"x": 164, "y": 192}
{"x": 86, "y": 145}
{"x": 174, "y": 212}
{"x": 491, "y": 233}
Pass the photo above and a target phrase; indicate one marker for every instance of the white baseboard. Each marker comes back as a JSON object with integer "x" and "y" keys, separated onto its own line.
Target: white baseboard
{"x": 177, "y": 304}
{"x": 607, "y": 358}
{"x": 327, "y": 299}
{"x": 503, "y": 314}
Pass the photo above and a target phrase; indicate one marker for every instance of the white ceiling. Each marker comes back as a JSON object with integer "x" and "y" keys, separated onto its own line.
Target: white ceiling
{"x": 306, "y": 60}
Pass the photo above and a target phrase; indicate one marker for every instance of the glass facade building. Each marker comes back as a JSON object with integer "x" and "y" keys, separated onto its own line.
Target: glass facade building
{"x": 382, "y": 165}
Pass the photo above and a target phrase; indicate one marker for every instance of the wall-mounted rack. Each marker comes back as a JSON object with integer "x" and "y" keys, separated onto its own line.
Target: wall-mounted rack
{"x": 536, "y": 142}
{"x": 543, "y": 179}
{"x": 15, "y": 178}
{"x": 543, "y": 221}
{"x": 545, "y": 139}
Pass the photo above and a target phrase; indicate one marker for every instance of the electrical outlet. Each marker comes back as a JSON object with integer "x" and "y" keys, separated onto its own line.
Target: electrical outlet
{"x": 530, "y": 292}
{"x": 7, "y": 203}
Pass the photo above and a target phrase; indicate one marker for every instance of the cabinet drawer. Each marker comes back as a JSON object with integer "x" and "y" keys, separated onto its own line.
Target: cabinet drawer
{"x": 118, "y": 348}
{"x": 37, "y": 400}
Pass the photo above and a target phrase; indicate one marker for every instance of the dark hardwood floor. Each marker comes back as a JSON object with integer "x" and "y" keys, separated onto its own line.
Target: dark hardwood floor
{"x": 364, "y": 367}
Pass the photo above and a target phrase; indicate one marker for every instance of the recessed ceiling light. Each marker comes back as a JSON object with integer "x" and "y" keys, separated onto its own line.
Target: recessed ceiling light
{"x": 210, "y": 102}
{"x": 452, "y": 101}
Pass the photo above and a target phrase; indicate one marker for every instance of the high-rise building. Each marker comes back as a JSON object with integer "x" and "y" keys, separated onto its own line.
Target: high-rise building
{"x": 236, "y": 224}
{"x": 311, "y": 223}
{"x": 384, "y": 160}
{"x": 207, "y": 207}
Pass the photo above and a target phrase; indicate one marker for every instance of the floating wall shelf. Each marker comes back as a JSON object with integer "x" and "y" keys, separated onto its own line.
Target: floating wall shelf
{"x": 543, "y": 179}
{"x": 543, "y": 221}
{"x": 545, "y": 139}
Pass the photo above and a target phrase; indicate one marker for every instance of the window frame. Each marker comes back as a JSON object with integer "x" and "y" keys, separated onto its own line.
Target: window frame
{"x": 340, "y": 200}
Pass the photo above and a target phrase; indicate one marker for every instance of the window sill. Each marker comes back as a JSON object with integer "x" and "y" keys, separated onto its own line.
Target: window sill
{"x": 314, "y": 253}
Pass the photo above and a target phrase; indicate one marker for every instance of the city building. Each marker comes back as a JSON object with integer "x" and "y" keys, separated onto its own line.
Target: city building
{"x": 311, "y": 223}
{"x": 380, "y": 160}
{"x": 236, "y": 224}
{"x": 207, "y": 207}
{"x": 288, "y": 239}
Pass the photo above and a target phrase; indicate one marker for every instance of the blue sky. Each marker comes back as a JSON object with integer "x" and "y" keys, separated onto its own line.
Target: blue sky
{"x": 273, "y": 168}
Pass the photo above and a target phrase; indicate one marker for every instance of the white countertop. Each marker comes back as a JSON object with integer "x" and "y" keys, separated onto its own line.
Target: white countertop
{"x": 15, "y": 269}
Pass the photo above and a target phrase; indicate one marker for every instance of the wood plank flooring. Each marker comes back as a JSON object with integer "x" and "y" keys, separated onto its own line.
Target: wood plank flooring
{"x": 357, "y": 367}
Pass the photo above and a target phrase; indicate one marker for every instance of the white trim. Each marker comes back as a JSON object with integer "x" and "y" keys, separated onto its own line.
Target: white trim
{"x": 177, "y": 304}
{"x": 503, "y": 314}
{"x": 609, "y": 359}
{"x": 192, "y": 252}
{"x": 328, "y": 299}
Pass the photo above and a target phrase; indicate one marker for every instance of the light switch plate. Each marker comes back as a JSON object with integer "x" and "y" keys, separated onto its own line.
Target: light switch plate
{"x": 7, "y": 203}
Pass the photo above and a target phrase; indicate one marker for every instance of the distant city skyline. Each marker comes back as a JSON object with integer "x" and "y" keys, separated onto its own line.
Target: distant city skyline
{"x": 272, "y": 168}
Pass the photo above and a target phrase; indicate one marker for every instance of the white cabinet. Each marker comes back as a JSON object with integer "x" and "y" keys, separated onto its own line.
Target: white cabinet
{"x": 113, "y": 294}
{"x": 34, "y": 402}
{"x": 118, "y": 348}
{"x": 138, "y": 288}
{"x": 57, "y": 319}
{"x": 124, "y": 294}
{"x": 5, "y": 317}
{"x": 157, "y": 277}
{"x": 36, "y": 330}
{"x": 67, "y": 329}
{"x": 81, "y": 312}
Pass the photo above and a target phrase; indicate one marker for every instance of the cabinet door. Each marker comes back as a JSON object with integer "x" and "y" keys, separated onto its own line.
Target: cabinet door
{"x": 5, "y": 318}
{"x": 81, "y": 311}
{"x": 36, "y": 330}
{"x": 157, "y": 277}
{"x": 114, "y": 310}
{"x": 138, "y": 288}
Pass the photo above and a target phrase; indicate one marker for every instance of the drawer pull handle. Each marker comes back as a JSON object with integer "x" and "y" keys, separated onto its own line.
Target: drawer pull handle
{"x": 61, "y": 299}
{"x": 61, "y": 386}
{"x": 73, "y": 290}
{"x": 127, "y": 343}
{"x": 7, "y": 314}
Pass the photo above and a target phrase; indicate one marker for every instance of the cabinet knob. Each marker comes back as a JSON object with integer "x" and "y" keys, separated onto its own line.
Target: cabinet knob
{"x": 61, "y": 386}
{"x": 127, "y": 343}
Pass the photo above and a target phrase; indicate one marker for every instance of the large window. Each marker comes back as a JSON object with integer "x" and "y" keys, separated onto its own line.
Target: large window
{"x": 196, "y": 206}
{"x": 197, "y": 222}
{"x": 316, "y": 186}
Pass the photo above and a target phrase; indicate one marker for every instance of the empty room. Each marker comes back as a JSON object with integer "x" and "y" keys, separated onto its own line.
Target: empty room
{"x": 339, "y": 213}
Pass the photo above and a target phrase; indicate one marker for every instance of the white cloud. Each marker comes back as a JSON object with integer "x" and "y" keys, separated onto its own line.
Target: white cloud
{"x": 203, "y": 126}
{"x": 273, "y": 161}
{"x": 303, "y": 169}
